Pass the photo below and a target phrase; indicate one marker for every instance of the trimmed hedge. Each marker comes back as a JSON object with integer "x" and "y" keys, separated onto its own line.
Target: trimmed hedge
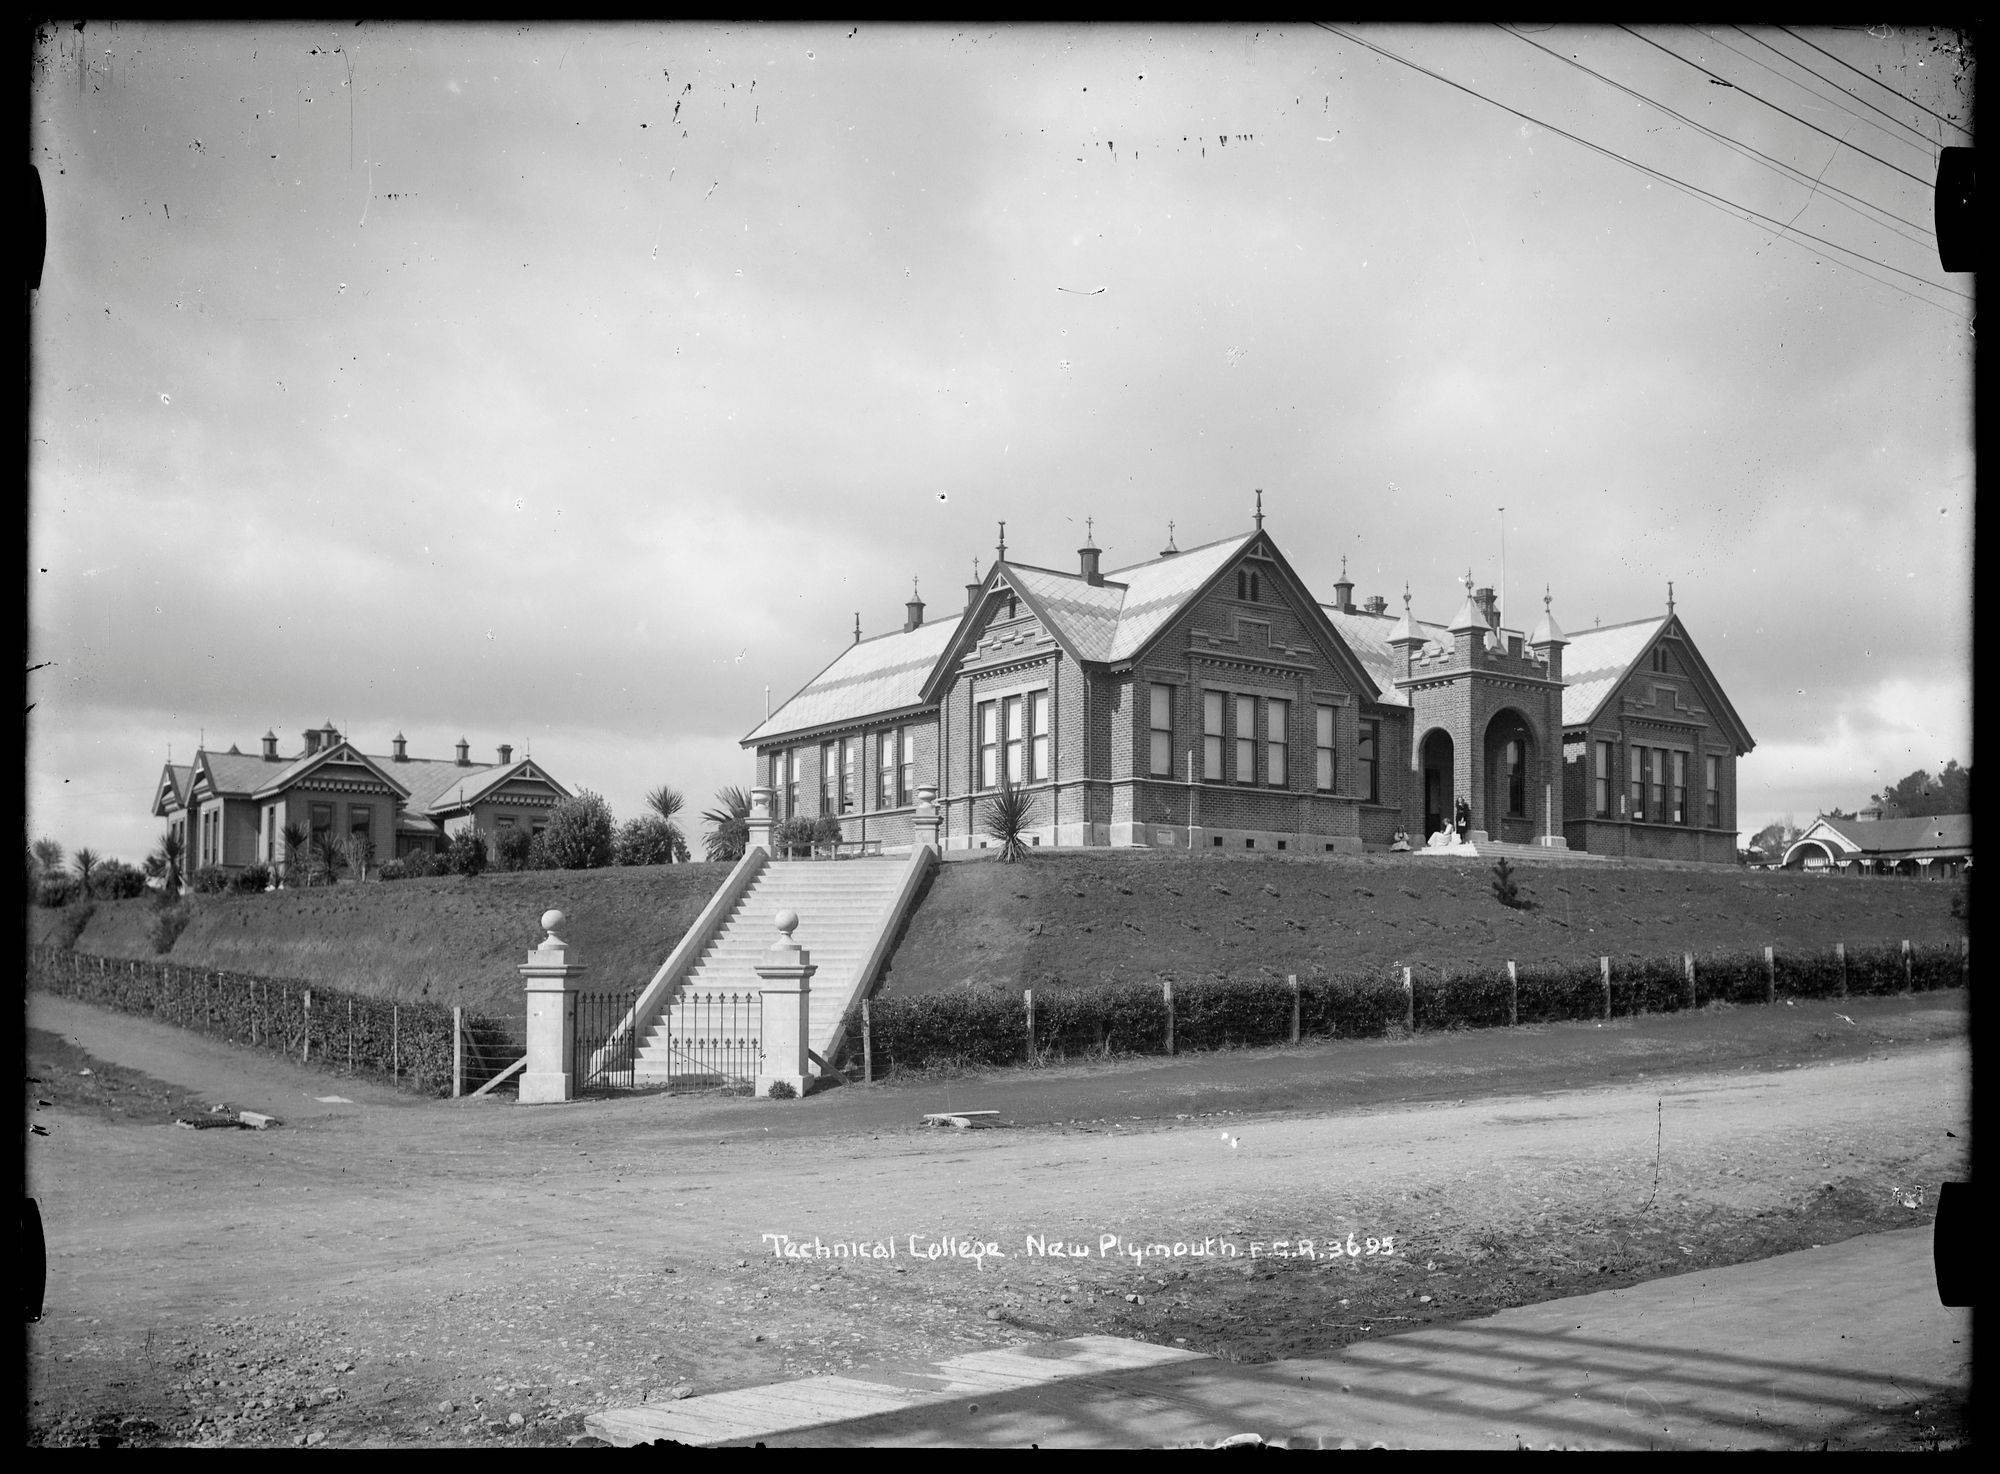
{"x": 410, "y": 1043}
{"x": 989, "y": 1026}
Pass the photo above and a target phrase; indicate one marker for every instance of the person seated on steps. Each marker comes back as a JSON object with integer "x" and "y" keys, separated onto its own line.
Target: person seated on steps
{"x": 1401, "y": 843}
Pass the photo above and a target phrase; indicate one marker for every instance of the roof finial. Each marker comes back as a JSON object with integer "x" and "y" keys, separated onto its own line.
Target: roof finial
{"x": 1547, "y": 598}
{"x": 1468, "y": 582}
{"x": 1260, "y": 509}
{"x": 975, "y": 568}
{"x": 1089, "y": 538}
{"x": 1001, "y": 555}
{"x": 1406, "y": 596}
{"x": 913, "y": 587}
{"x": 857, "y": 626}
{"x": 1343, "y": 568}
{"x": 1670, "y": 596}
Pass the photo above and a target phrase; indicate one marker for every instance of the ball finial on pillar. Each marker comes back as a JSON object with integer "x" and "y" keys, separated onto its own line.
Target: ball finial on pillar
{"x": 551, "y": 920}
{"x": 787, "y": 922}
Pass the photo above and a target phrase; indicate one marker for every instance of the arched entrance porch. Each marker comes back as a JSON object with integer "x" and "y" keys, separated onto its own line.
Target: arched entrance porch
{"x": 1513, "y": 786}
{"x": 1434, "y": 764}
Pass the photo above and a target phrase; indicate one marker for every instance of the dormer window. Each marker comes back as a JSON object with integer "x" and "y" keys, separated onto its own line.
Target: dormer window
{"x": 1246, "y": 585}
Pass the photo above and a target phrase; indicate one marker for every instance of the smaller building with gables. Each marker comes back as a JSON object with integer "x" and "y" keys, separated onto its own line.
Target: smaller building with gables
{"x": 233, "y": 807}
{"x": 1934, "y": 845}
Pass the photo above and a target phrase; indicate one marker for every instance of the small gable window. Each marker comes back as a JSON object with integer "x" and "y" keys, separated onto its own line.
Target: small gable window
{"x": 1246, "y": 585}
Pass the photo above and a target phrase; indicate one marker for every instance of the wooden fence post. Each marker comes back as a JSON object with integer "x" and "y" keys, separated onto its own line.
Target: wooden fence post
{"x": 1604, "y": 969}
{"x": 1292, "y": 979}
{"x": 350, "y": 1036}
{"x": 867, "y": 1046}
{"x": 1687, "y": 965}
{"x": 1513, "y": 994}
{"x": 1028, "y": 996}
{"x": 457, "y": 1054}
{"x": 1770, "y": 977}
{"x": 306, "y": 1049}
{"x": 1909, "y": 982}
{"x": 1840, "y": 956}
{"x": 1167, "y": 987}
{"x": 1409, "y": 1003}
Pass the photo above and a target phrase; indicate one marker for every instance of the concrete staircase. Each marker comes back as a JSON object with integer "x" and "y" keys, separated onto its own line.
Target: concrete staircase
{"x": 842, "y": 907}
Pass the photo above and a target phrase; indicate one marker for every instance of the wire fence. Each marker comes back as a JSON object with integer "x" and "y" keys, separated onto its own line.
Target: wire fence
{"x": 426, "y": 1047}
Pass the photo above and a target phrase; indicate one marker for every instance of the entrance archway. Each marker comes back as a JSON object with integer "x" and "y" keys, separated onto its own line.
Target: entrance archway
{"x": 1434, "y": 760}
{"x": 1513, "y": 797}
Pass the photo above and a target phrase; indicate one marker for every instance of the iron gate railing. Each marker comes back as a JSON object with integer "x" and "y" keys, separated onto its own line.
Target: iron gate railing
{"x": 709, "y": 1039}
{"x": 604, "y": 1051}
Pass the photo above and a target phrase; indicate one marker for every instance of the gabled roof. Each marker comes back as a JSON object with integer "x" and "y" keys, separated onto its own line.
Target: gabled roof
{"x": 882, "y": 674}
{"x": 230, "y": 774}
{"x": 1367, "y": 635}
{"x": 1895, "y": 836}
{"x": 175, "y": 781}
{"x": 299, "y": 769}
{"x": 483, "y": 781}
{"x": 1597, "y": 661}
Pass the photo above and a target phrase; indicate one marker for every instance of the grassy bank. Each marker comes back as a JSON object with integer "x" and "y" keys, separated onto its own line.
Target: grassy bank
{"x": 1063, "y": 917}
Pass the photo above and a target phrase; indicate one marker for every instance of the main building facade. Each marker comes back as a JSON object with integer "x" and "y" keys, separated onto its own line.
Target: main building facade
{"x": 1206, "y": 699}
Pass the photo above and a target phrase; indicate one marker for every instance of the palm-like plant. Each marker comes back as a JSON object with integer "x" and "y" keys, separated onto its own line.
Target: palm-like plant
{"x": 85, "y": 862}
{"x": 298, "y": 864}
{"x": 667, "y": 803}
{"x": 1006, "y": 818}
{"x": 329, "y": 855}
{"x": 729, "y": 835}
{"x": 172, "y": 851}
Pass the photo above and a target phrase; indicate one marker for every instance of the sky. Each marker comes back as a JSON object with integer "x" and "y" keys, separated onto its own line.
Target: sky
{"x": 571, "y": 386}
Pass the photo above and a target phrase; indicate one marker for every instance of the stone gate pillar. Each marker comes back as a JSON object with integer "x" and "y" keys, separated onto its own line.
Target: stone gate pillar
{"x": 787, "y": 1034}
{"x": 551, "y": 974}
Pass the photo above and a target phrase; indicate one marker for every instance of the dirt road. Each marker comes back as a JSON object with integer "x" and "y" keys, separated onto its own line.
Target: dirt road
{"x": 395, "y": 1272}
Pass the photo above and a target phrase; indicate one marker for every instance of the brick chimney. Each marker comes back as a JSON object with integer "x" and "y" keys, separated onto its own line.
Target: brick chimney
{"x": 506, "y": 754}
{"x": 1376, "y": 604}
{"x": 311, "y": 735}
{"x": 401, "y": 746}
{"x": 271, "y": 747}
{"x": 464, "y": 753}
{"x": 1484, "y": 598}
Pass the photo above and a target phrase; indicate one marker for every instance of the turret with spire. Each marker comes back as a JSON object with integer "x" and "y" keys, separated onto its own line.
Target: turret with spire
{"x": 1088, "y": 554}
{"x": 1547, "y": 641}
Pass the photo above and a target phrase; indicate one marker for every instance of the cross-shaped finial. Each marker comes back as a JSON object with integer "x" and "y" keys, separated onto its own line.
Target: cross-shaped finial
{"x": 913, "y": 587}
{"x": 1088, "y": 522}
{"x": 1343, "y": 568}
{"x": 1468, "y": 581}
{"x": 975, "y": 568}
{"x": 1260, "y": 509}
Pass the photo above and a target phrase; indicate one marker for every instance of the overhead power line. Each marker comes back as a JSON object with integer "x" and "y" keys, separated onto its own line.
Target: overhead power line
{"x": 1789, "y": 170}
{"x": 1878, "y": 82}
{"x": 1736, "y": 87}
{"x": 1929, "y": 143}
{"x": 1727, "y": 206}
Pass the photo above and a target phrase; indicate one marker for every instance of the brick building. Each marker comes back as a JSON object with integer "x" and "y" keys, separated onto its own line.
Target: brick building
{"x": 232, "y": 807}
{"x": 1206, "y": 699}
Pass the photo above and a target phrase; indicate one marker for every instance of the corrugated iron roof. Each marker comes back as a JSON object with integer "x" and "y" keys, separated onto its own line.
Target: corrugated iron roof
{"x": 885, "y": 673}
{"x": 1901, "y": 836}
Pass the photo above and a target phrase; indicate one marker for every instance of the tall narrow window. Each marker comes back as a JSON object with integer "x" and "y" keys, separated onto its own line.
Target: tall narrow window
{"x": 1277, "y": 722}
{"x": 885, "y": 770}
{"x": 1211, "y": 736}
{"x": 1246, "y": 739}
{"x": 1656, "y": 801}
{"x": 829, "y": 779}
{"x": 360, "y": 821}
{"x": 322, "y": 821}
{"x": 791, "y": 781}
{"x": 1246, "y": 585}
{"x": 1323, "y": 750}
{"x": 989, "y": 744}
{"x": 1713, "y": 764}
{"x": 1517, "y": 778}
{"x": 1369, "y": 753}
{"x": 906, "y": 769}
{"x": 271, "y": 832}
{"x": 1160, "y": 753}
{"x": 1038, "y": 736}
{"x": 850, "y": 770}
{"x": 1010, "y": 737}
{"x": 1680, "y": 794}
{"x": 1603, "y": 793}
{"x": 1638, "y": 783}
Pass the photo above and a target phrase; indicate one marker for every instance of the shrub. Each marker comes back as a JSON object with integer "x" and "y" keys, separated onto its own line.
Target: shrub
{"x": 826, "y": 831}
{"x": 252, "y": 880}
{"x": 511, "y": 848}
{"x": 794, "y": 836}
{"x": 390, "y": 870}
{"x": 781, "y": 1090}
{"x": 647, "y": 840}
{"x": 211, "y": 880}
{"x": 117, "y": 881}
{"x": 580, "y": 833}
{"x": 1506, "y": 890}
{"x": 1006, "y": 818}
{"x": 418, "y": 864}
{"x": 466, "y": 854}
{"x": 55, "y": 890}
{"x": 166, "y": 927}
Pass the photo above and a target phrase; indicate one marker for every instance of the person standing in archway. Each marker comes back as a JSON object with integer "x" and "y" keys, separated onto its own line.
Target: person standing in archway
{"x": 1462, "y": 821}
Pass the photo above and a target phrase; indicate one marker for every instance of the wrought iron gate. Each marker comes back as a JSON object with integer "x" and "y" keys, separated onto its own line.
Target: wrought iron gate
{"x": 603, "y": 1052}
{"x": 709, "y": 1040}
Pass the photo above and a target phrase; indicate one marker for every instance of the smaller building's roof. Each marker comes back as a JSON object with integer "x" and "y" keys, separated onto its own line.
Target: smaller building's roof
{"x": 1931, "y": 834}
